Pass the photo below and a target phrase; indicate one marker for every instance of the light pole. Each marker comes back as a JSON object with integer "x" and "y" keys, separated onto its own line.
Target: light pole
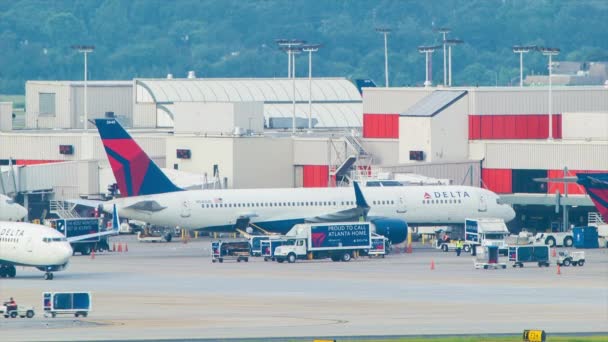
{"x": 385, "y": 31}
{"x": 428, "y": 51}
{"x": 450, "y": 43}
{"x": 293, "y": 50}
{"x": 310, "y": 49}
{"x": 521, "y": 50}
{"x": 444, "y": 31}
{"x": 285, "y": 44}
{"x": 547, "y": 51}
{"x": 85, "y": 49}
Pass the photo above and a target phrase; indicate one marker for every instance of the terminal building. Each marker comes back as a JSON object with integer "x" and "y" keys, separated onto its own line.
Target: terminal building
{"x": 499, "y": 138}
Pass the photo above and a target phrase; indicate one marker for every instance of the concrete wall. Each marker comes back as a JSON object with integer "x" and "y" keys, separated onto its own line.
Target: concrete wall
{"x": 414, "y": 135}
{"x": 262, "y": 162}
{"x": 217, "y": 118}
{"x": 63, "y": 106}
{"x": 449, "y": 129}
{"x": 384, "y": 151}
{"x": 6, "y": 116}
{"x": 205, "y": 151}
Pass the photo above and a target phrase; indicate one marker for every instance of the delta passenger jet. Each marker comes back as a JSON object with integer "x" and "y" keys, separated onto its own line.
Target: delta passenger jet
{"x": 42, "y": 247}
{"x": 149, "y": 196}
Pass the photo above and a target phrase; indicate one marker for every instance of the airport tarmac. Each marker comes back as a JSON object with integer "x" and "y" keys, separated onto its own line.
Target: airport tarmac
{"x": 173, "y": 291}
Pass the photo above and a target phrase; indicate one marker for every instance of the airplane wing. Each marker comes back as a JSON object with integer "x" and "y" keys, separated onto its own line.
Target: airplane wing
{"x": 114, "y": 231}
{"x": 352, "y": 214}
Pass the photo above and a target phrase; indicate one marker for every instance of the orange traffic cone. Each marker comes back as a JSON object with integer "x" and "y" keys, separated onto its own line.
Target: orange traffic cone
{"x": 120, "y": 247}
{"x": 432, "y": 264}
{"x": 92, "y": 254}
{"x": 409, "y": 248}
{"x": 553, "y": 252}
{"x": 114, "y": 247}
{"x": 559, "y": 270}
{"x": 126, "y": 247}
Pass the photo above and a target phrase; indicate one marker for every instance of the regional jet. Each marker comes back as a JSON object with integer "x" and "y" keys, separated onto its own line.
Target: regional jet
{"x": 149, "y": 196}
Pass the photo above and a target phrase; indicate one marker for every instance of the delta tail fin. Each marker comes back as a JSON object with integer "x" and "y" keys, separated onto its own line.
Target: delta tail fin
{"x": 596, "y": 185}
{"x": 135, "y": 173}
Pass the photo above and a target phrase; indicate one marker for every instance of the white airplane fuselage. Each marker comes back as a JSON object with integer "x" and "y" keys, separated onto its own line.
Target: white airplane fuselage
{"x": 10, "y": 210}
{"x": 417, "y": 205}
{"x": 27, "y": 244}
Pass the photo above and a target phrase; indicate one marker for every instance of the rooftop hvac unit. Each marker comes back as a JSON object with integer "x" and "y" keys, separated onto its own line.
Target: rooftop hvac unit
{"x": 191, "y": 74}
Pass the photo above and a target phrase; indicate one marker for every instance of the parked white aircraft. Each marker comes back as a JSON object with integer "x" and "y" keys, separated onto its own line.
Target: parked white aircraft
{"x": 10, "y": 210}
{"x": 27, "y": 244}
{"x": 150, "y": 197}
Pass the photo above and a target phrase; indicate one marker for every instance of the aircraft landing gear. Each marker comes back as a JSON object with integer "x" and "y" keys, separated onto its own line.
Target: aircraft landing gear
{"x": 8, "y": 271}
{"x": 48, "y": 276}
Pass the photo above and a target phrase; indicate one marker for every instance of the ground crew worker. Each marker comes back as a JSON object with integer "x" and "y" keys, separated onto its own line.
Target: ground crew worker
{"x": 11, "y": 305}
{"x": 458, "y": 247}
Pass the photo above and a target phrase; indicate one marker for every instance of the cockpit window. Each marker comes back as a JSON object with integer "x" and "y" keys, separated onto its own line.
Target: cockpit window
{"x": 499, "y": 201}
{"x": 10, "y": 201}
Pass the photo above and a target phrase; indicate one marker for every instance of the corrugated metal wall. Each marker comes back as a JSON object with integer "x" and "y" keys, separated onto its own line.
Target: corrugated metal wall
{"x": 315, "y": 176}
{"x": 384, "y": 126}
{"x": 526, "y": 126}
{"x": 466, "y": 172}
{"x": 530, "y": 100}
{"x": 102, "y": 99}
{"x": 544, "y": 155}
{"x": 573, "y": 188}
{"x": 81, "y": 176}
{"x": 585, "y": 126}
{"x": 24, "y": 146}
{"x": 498, "y": 180}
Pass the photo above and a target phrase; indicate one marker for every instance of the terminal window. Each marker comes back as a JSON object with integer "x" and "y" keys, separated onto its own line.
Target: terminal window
{"x": 46, "y": 104}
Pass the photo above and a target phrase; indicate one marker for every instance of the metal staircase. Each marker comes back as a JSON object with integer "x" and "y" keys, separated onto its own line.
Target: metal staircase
{"x": 63, "y": 209}
{"x": 357, "y": 160}
{"x": 595, "y": 219}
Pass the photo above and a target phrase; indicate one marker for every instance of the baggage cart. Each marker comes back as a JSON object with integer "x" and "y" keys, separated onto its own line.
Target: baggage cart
{"x": 378, "y": 246}
{"x": 487, "y": 257}
{"x": 66, "y": 303}
{"x": 234, "y": 250}
{"x": 538, "y": 254}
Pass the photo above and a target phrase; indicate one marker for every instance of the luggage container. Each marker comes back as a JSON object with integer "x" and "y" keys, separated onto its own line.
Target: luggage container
{"x": 524, "y": 254}
{"x": 585, "y": 237}
{"x": 487, "y": 257}
{"x": 378, "y": 246}
{"x": 66, "y": 303}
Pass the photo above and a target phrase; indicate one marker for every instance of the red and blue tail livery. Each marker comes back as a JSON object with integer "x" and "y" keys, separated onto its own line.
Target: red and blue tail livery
{"x": 135, "y": 173}
{"x": 596, "y": 185}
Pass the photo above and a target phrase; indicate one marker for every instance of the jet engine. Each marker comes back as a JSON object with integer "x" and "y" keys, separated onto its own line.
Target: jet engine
{"x": 393, "y": 229}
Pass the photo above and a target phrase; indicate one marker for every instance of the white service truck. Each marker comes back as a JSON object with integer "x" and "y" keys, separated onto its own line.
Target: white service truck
{"x": 553, "y": 239}
{"x": 486, "y": 232}
{"x": 339, "y": 241}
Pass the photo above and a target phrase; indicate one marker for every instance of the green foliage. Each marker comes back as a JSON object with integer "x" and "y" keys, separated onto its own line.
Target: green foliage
{"x": 235, "y": 38}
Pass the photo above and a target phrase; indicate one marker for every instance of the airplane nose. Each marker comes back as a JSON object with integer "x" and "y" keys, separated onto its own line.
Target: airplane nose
{"x": 22, "y": 212}
{"x": 510, "y": 213}
{"x": 67, "y": 252}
